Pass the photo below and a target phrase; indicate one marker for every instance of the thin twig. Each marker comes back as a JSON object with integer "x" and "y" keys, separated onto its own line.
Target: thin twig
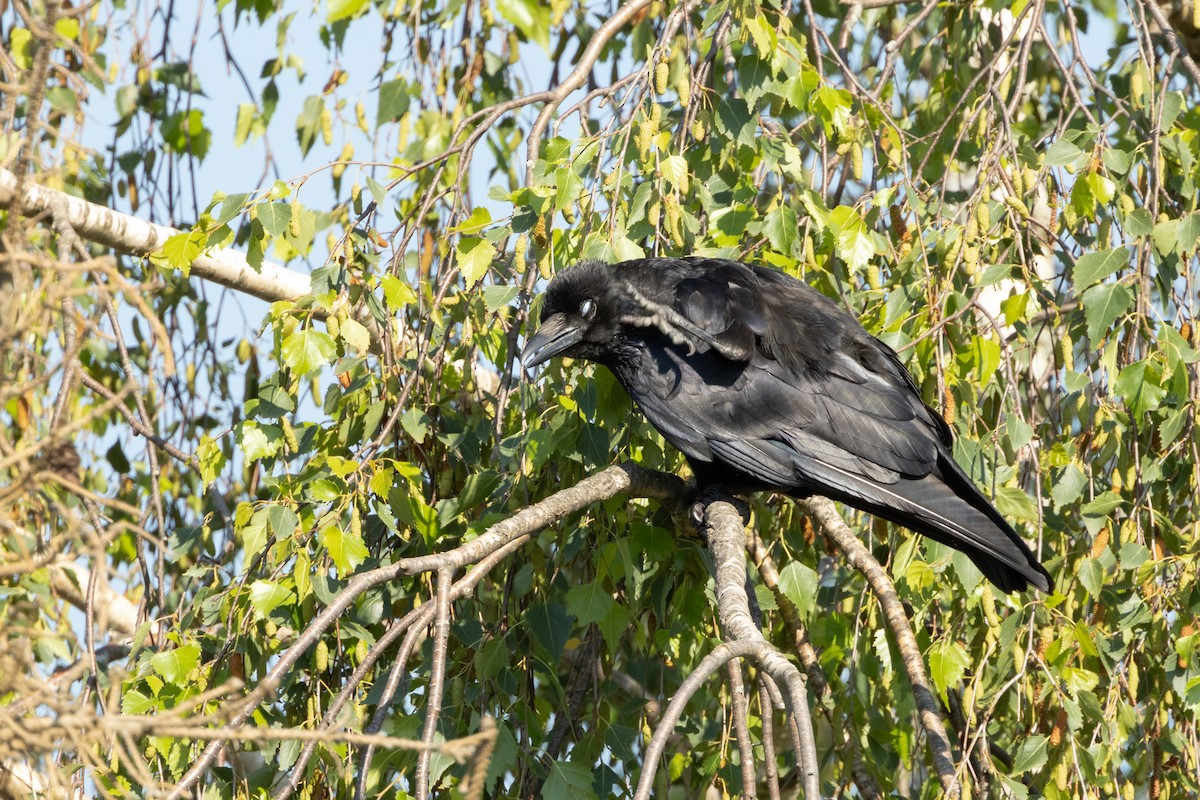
{"x": 441, "y": 636}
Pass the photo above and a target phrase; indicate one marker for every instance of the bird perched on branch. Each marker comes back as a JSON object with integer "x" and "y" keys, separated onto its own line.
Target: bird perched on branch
{"x": 766, "y": 384}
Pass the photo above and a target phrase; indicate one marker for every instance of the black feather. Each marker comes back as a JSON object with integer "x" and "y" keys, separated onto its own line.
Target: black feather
{"x": 766, "y": 384}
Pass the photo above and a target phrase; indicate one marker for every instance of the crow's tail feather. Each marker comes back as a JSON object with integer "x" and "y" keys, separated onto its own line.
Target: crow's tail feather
{"x": 950, "y": 509}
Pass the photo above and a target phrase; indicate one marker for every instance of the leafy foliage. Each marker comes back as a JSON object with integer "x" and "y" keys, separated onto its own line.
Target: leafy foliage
{"x": 1008, "y": 205}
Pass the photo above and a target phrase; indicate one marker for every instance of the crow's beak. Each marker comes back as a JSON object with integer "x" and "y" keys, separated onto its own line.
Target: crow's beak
{"x": 556, "y": 335}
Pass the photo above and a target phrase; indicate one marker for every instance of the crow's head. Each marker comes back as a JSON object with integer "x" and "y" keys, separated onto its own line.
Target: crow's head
{"x": 581, "y": 317}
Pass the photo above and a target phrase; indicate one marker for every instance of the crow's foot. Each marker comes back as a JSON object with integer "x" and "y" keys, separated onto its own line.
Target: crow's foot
{"x": 711, "y": 494}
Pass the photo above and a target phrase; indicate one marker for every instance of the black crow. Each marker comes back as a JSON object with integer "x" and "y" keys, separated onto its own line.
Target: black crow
{"x": 766, "y": 384}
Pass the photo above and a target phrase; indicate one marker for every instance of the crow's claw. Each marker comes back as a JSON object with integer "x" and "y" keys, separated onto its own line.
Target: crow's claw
{"x": 711, "y": 494}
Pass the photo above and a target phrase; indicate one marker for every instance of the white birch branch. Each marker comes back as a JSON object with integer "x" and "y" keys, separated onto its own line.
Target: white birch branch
{"x": 137, "y": 237}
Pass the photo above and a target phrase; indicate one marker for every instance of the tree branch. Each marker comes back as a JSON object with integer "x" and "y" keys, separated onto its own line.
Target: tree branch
{"x": 727, "y": 541}
{"x": 622, "y": 478}
{"x": 138, "y": 237}
{"x": 1174, "y": 41}
{"x": 577, "y": 77}
{"x": 827, "y": 516}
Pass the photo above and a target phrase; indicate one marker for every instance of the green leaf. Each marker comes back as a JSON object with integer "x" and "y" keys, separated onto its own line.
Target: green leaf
{"x": 379, "y": 191}
{"x": 551, "y": 627}
{"x": 491, "y": 659}
{"x": 1014, "y": 502}
{"x": 396, "y": 292}
{"x": 985, "y": 354}
{"x": 1103, "y": 505}
{"x": 231, "y": 207}
{"x": 281, "y": 520}
{"x": 1117, "y": 160}
{"x": 497, "y": 297}
{"x": 1091, "y": 576}
{"x": 394, "y": 100}
{"x": 1133, "y": 555}
{"x": 21, "y": 47}
{"x": 347, "y": 550}
{"x": 763, "y": 34}
{"x": 308, "y": 123}
{"x": 675, "y": 170}
{"x": 1097, "y": 266}
{"x": 181, "y": 251}
{"x": 1173, "y": 104}
{"x": 266, "y": 596}
{"x": 799, "y": 583}
{"x": 474, "y": 258}
{"x": 254, "y": 535}
{"x": 799, "y": 88}
{"x": 344, "y": 9}
{"x": 734, "y": 120}
{"x": 948, "y": 662}
{"x": 382, "y": 482}
{"x": 1092, "y": 189}
{"x": 308, "y": 349}
{"x": 1138, "y": 385}
{"x": 415, "y": 423}
{"x": 1101, "y": 188}
{"x": 355, "y": 335}
{"x": 245, "y": 118}
{"x": 1031, "y": 755}
{"x": 1139, "y": 223}
{"x": 624, "y": 248}
{"x": 274, "y": 217}
{"x": 1077, "y": 679}
{"x": 1188, "y": 232}
{"x": 212, "y": 460}
{"x": 589, "y": 603}
{"x": 852, "y": 240}
{"x": 259, "y": 441}
{"x": 781, "y": 228}
{"x": 1014, "y": 788}
{"x": 832, "y": 107}
{"x": 569, "y": 782}
{"x": 1166, "y": 236}
{"x": 1103, "y": 305}
{"x": 570, "y": 187}
{"x": 175, "y": 665}
{"x": 530, "y": 17}
{"x": 1063, "y": 153}
{"x": 1069, "y": 486}
{"x": 477, "y": 488}
{"x": 480, "y": 218}
{"x": 185, "y": 133}
{"x": 134, "y": 702}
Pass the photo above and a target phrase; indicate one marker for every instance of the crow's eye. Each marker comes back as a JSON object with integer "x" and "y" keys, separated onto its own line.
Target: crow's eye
{"x": 587, "y": 309}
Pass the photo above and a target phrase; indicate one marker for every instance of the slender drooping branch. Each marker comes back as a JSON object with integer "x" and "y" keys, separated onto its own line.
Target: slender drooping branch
{"x": 707, "y": 667}
{"x": 577, "y": 77}
{"x": 827, "y": 516}
{"x": 809, "y": 659}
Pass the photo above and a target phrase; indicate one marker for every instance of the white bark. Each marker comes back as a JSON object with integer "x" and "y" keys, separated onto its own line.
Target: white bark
{"x": 115, "y": 612}
{"x": 138, "y": 237}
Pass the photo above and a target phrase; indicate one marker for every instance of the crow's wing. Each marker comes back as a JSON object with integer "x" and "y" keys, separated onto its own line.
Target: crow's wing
{"x": 791, "y": 367}
{"x": 798, "y": 397}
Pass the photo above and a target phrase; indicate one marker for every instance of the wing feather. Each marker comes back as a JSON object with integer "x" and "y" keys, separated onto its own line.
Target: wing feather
{"x": 764, "y": 382}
